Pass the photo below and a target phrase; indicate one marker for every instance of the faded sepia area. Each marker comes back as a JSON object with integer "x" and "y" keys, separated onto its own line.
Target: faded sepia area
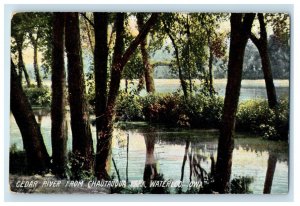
{"x": 152, "y": 103}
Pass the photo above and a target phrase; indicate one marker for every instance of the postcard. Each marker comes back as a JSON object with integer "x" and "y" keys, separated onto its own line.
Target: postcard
{"x": 149, "y": 103}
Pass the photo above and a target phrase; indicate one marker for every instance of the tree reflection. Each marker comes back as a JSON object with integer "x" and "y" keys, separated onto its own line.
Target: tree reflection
{"x": 270, "y": 172}
{"x": 150, "y": 171}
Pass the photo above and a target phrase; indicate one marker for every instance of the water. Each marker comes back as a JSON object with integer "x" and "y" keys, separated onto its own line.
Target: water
{"x": 166, "y": 150}
{"x": 251, "y": 89}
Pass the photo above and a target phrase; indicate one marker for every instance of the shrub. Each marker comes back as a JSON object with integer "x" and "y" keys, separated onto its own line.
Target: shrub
{"x": 241, "y": 185}
{"x": 38, "y": 96}
{"x": 129, "y": 107}
{"x": 255, "y": 116}
{"x": 173, "y": 109}
{"x": 204, "y": 111}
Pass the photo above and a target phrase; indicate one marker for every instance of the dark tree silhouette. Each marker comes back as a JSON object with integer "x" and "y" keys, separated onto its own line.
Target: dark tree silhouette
{"x": 100, "y": 59}
{"x": 148, "y": 69}
{"x": 240, "y": 31}
{"x": 82, "y": 139}
{"x": 37, "y": 155}
{"x": 58, "y": 117}
{"x": 262, "y": 46}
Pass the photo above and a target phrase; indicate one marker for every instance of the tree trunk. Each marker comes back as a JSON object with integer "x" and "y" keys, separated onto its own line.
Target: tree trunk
{"x": 105, "y": 134}
{"x": 34, "y": 43}
{"x": 82, "y": 139}
{"x": 58, "y": 117}
{"x": 240, "y": 31}
{"x": 148, "y": 69}
{"x": 36, "y": 68}
{"x": 141, "y": 83}
{"x": 188, "y": 54}
{"x": 210, "y": 73}
{"x": 21, "y": 66}
{"x": 270, "y": 173}
{"x": 87, "y": 26}
{"x": 37, "y": 155}
{"x": 182, "y": 80}
{"x": 262, "y": 46}
{"x": 100, "y": 59}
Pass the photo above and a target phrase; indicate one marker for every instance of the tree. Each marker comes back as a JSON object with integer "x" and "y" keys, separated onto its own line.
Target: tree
{"x": 241, "y": 25}
{"x": 19, "y": 35}
{"x": 148, "y": 69}
{"x": 37, "y": 156}
{"x": 100, "y": 69}
{"x": 262, "y": 46}
{"x": 34, "y": 42}
{"x": 104, "y": 134}
{"x": 82, "y": 144}
{"x": 58, "y": 117}
{"x": 37, "y": 29}
{"x": 178, "y": 62}
{"x": 195, "y": 40}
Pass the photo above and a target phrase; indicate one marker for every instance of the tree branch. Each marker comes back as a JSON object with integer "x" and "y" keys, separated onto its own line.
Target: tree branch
{"x": 87, "y": 19}
{"x": 255, "y": 40}
{"x": 134, "y": 44}
{"x": 262, "y": 26}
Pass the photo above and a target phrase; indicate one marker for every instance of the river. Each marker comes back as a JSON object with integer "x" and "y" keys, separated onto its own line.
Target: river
{"x": 166, "y": 149}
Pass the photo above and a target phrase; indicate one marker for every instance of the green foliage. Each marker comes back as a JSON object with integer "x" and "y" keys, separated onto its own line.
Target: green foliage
{"x": 256, "y": 116}
{"x": 75, "y": 168}
{"x": 90, "y": 86}
{"x": 241, "y": 185}
{"x": 129, "y": 107}
{"x": 38, "y": 96}
{"x": 202, "y": 111}
{"x": 17, "y": 161}
{"x": 34, "y": 28}
{"x": 197, "y": 111}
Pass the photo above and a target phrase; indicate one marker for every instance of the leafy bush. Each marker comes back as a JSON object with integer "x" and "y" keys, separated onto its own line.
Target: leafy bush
{"x": 38, "y": 96}
{"x": 241, "y": 185}
{"x": 255, "y": 116}
{"x": 202, "y": 111}
{"x": 197, "y": 111}
{"x": 129, "y": 107}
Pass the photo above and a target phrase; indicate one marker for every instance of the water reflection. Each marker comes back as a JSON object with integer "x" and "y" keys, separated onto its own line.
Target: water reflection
{"x": 270, "y": 172}
{"x": 150, "y": 171}
{"x": 145, "y": 153}
{"x": 190, "y": 156}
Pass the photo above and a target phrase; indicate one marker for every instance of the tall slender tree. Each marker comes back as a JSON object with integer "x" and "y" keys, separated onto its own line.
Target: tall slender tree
{"x": 37, "y": 156}
{"x": 241, "y": 25}
{"x": 58, "y": 116}
{"x": 104, "y": 135}
{"x": 82, "y": 144}
{"x": 19, "y": 34}
{"x": 148, "y": 69}
{"x": 262, "y": 46}
{"x": 100, "y": 61}
{"x": 34, "y": 41}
